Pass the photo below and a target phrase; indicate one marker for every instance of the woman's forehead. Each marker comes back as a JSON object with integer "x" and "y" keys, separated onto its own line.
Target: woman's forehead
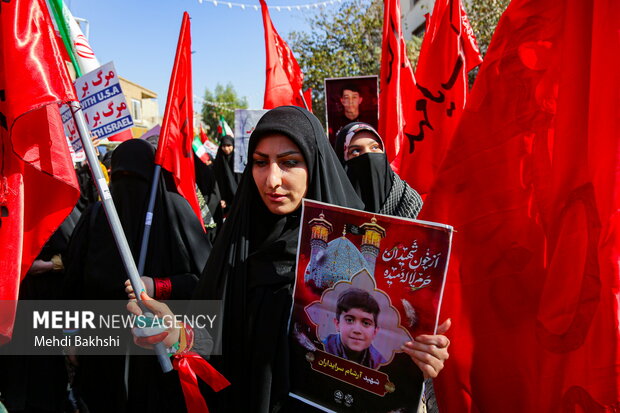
{"x": 363, "y": 137}
{"x": 276, "y": 143}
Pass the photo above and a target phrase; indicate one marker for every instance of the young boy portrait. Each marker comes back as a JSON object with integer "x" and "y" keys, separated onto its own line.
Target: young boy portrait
{"x": 356, "y": 322}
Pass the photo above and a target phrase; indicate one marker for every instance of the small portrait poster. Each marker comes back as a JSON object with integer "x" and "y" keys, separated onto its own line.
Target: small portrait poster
{"x": 245, "y": 122}
{"x": 365, "y": 285}
{"x": 351, "y": 99}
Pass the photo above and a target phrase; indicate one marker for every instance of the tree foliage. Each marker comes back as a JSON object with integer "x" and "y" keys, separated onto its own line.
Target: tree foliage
{"x": 347, "y": 41}
{"x": 222, "y": 101}
{"x": 343, "y": 42}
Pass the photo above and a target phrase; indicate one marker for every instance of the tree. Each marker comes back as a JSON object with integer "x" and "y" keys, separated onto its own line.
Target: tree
{"x": 221, "y": 102}
{"x": 347, "y": 41}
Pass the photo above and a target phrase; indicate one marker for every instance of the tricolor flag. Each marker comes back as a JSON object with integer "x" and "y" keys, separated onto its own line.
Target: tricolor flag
{"x": 77, "y": 46}
{"x": 200, "y": 150}
{"x": 223, "y": 129}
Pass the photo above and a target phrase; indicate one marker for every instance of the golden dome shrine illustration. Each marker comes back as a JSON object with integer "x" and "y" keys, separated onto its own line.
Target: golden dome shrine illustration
{"x": 340, "y": 259}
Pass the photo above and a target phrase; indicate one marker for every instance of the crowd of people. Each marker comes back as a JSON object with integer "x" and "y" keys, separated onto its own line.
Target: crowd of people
{"x": 247, "y": 260}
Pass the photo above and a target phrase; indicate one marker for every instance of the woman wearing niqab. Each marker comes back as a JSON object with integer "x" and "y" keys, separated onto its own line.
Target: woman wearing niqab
{"x": 381, "y": 190}
{"x": 178, "y": 250}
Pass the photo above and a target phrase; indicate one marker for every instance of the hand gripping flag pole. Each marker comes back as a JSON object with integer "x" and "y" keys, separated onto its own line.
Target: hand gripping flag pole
{"x": 114, "y": 221}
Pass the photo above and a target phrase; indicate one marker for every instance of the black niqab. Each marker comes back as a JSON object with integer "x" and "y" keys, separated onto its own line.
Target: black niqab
{"x": 381, "y": 190}
{"x": 252, "y": 267}
{"x": 371, "y": 177}
{"x": 177, "y": 244}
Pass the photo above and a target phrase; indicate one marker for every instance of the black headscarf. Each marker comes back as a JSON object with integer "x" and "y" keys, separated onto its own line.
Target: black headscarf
{"x": 381, "y": 190}
{"x": 252, "y": 267}
{"x": 224, "y": 169}
{"x": 178, "y": 247}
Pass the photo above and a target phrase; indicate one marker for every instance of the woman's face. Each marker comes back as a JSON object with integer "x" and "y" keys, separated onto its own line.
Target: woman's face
{"x": 363, "y": 142}
{"x": 280, "y": 173}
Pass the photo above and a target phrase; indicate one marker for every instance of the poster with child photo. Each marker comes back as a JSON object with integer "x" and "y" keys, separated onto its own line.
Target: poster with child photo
{"x": 365, "y": 285}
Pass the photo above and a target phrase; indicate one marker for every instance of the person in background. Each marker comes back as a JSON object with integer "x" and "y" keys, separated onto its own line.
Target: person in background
{"x": 177, "y": 252}
{"x": 224, "y": 170}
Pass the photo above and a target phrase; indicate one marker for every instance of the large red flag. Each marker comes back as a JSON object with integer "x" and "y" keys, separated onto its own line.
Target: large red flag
{"x": 38, "y": 185}
{"x": 396, "y": 96}
{"x": 174, "y": 150}
{"x": 283, "y": 76}
{"x": 530, "y": 183}
{"x": 449, "y": 51}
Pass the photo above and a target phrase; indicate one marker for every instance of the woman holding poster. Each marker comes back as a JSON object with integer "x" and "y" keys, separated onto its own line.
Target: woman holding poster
{"x": 252, "y": 265}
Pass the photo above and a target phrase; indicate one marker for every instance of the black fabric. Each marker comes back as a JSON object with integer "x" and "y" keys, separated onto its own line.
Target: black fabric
{"x": 252, "y": 268}
{"x": 381, "y": 190}
{"x": 177, "y": 245}
{"x": 88, "y": 191}
{"x": 371, "y": 177}
{"x": 224, "y": 170}
{"x": 38, "y": 383}
{"x": 207, "y": 184}
{"x": 178, "y": 248}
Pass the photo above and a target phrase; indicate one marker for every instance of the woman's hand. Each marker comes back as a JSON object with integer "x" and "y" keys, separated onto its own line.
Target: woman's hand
{"x": 147, "y": 284}
{"x": 429, "y": 352}
{"x": 40, "y": 266}
{"x": 163, "y": 314}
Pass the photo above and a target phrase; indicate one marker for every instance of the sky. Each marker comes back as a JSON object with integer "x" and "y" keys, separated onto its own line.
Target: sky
{"x": 140, "y": 37}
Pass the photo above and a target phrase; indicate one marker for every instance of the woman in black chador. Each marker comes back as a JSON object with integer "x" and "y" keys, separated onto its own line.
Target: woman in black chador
{"x": 252, "y": 266}
{"x": 178, "y": 250}
{"x": 224, "y": 170}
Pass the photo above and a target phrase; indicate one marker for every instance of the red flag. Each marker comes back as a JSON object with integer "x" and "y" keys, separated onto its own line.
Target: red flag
{"x": 531, "y": 185}
{"x": 38, "y": 185}
{"x": 203, "y": 135}
{"x": 174, "y": 150}
{"x": 284, "y": 77}
{"x": 449, "y": 51}
{"x": 396, "y": 97}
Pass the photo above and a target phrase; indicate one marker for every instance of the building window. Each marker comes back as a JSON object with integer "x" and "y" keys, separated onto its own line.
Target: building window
{"x": 136, "y": 110}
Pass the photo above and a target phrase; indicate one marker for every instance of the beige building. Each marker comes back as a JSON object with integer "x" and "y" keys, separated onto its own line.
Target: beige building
{"x": 143, "y": 106}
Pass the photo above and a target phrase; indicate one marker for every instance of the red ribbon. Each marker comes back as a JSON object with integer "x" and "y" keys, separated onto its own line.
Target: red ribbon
{"x": 189, "y": 365}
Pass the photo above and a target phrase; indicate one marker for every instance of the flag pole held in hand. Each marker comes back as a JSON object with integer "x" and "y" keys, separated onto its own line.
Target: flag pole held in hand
{"x": 114, "y": 221}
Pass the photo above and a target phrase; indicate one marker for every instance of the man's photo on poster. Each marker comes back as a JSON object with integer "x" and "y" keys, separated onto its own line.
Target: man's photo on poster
{"x": 350, "y": 99}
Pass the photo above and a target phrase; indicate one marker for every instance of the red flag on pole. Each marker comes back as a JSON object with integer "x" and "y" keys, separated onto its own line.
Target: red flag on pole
{"x": 38, "y": 185}
{"x": 174, "y": 150}
{"x": 531, "y": 185}
{"x": 449, "y": 51}
{"x": 396, "y": 97}
{"x": 283, "y": 77}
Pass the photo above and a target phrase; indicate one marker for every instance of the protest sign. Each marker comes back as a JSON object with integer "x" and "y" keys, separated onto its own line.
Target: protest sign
{"x": 365, "y": 285}
{"x": 103, "y": 102}
{"x": 245, "y": 122}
